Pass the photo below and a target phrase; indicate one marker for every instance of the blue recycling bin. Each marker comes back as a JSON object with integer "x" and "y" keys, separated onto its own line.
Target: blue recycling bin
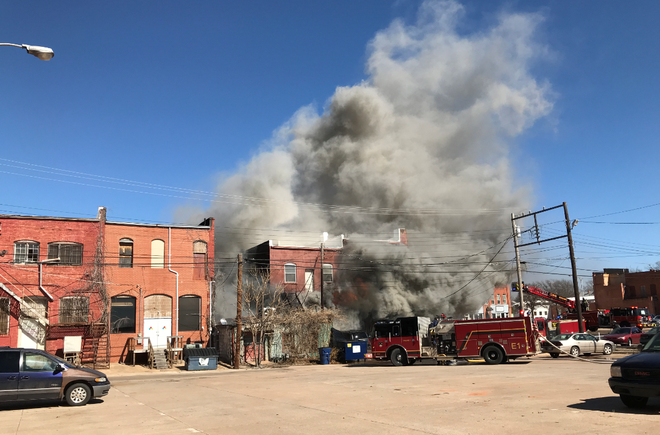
{"x": 354, "y": 350}
{"x": 324, "y": 354}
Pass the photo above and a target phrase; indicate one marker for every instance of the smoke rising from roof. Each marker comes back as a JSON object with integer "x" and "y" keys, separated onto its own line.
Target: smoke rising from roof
{"x": 422, "y": 144}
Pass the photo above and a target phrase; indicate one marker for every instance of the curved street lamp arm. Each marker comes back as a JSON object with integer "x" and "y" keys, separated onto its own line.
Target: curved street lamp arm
{"x": 43, "y": 53}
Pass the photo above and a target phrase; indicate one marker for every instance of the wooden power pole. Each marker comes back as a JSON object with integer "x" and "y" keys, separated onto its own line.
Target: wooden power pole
{"x": 239, "y": 312}
{"x": 322, "y": 305}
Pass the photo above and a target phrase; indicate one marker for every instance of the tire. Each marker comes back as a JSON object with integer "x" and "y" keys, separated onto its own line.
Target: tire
{"x": 78, "y": 394}
{"x": 634, "y": 401}
{"x": 493, "y": 355}
{"x": 397, "y": 358}
{"x": 554, "y": 355}
{"x": 630, "y": 342}
{"x": 607, "y": 349}
{"x": 575, "y": 351}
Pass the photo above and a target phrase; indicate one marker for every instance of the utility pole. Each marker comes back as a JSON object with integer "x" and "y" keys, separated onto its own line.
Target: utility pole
{"x": 539, "y": 241}
{"x": 578, "y": 302}
{"x": 322, "y": 305}
{"x": 239, "y": 312}
{"x": 515, "y": 245}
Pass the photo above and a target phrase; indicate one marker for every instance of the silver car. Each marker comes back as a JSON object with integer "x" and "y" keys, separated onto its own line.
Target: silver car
{"x": 577, "y": 344}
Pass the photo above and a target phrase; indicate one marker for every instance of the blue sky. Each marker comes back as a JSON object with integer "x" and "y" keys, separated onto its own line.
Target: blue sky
{"x": 183, "y": 93}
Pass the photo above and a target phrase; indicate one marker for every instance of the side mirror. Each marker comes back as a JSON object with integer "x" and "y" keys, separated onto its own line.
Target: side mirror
{"x": 59, "y": 369}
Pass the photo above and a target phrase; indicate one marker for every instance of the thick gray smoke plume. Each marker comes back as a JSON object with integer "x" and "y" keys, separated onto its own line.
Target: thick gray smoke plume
{"x": 422, "y": 145}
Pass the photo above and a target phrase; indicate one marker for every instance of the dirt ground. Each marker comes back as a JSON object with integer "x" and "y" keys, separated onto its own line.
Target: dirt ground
{"x": 536, "y": 395}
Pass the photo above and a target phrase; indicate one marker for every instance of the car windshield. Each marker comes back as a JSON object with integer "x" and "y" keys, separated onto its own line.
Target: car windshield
{"x": 562, "y": 337}
{"x": 621, "y": 331}
{"x": 653, "y": 345}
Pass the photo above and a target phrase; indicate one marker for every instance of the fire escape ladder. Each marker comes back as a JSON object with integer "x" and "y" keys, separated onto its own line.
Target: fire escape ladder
{"x": 25, "y": 308}
{"x": 96, "y": 346}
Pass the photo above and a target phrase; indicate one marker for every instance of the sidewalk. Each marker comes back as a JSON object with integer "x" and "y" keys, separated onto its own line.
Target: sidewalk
{"x": 124, "y": 370}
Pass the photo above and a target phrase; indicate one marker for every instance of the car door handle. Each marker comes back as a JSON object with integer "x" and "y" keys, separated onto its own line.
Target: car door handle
{"x": 25, "y": 377}
{"x": 11, "y": 378}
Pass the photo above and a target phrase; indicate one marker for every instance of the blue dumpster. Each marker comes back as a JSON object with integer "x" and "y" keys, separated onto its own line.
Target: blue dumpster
{"x": 201, "y": 358}
{"x": 354, "y": 350}
{"x": 324, "y": 354}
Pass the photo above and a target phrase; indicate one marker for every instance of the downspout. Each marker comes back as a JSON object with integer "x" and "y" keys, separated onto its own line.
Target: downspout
{"x": 169, "y": 267}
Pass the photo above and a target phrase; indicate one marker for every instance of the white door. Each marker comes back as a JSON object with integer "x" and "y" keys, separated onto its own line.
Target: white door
{"x": 158, "y": 329}
{"x": 32, "y": 332}
{"x": 309, "y": 280}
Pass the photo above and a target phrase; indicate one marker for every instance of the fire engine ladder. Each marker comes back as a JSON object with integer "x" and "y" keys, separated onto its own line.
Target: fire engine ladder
{"x": 552, "y": 297}
{"x": 25, "y": 308}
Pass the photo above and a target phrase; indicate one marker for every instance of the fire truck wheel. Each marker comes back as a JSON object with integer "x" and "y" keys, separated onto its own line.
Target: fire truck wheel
{"x": 575, "y": 351}
{"x": 625, "y": 324}
{"x": 607, "y": 349}
{"x": 554, "y": 355}
{"x": 397, "y": 358}
{"x": 493, "y": 355}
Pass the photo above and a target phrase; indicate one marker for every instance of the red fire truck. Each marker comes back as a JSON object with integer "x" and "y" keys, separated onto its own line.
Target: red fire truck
{"x": 406, "y": 340}
{"x": 593, "y": 319}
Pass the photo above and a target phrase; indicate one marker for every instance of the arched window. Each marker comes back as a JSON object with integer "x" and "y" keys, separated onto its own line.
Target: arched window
{"x": 26, "y": 251}
{"x": 157, "y": 306}
{"x": 199, "y": 260}
{"x": 69, "y": 253}
{"x": 289, "y": 272}
{"x": 190, "y": 313}
{"x": 122, "y": 314}
{"x": 157, "y": 254}
{"x": 125, "y": 253}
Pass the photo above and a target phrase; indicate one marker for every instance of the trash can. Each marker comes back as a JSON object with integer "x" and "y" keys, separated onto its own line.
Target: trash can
{"x": 354, "y": 350}
{"x": 201, "y": 358}
{"x": 324, "y": 354}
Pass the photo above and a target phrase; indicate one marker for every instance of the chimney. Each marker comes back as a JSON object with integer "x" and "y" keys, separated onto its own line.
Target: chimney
{"x": 101, "y": 214}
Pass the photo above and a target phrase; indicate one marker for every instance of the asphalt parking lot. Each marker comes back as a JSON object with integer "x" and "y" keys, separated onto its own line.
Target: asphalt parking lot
{"x": 538, "y": 395}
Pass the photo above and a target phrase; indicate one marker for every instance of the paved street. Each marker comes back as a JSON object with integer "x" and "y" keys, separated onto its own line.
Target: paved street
{"x": 540, "y": 395}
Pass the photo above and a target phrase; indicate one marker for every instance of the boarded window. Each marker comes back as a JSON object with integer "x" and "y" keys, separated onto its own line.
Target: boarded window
{"x": 26, "y": 252}
{"x": 157, "y": 254}
{"x": 74, "y": 309}
{"x": 190, "y": 313}
{"x": 122, "y": 315}
{"x": 290, "y": 272}
{"x": 126, "y": 253}
{"x": 70, "y": 254}
{"x": 327, "y": 273}
{"x": 5, "y": 306}
{"x": 199, "y": 260}
{"x": 157, "y": 306}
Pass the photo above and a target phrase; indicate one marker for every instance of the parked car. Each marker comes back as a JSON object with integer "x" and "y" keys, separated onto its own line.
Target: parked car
{"x": 636, "y": 377}
{"x": 32, "y": 374}
{"x": 627, "y": 335}
{"x": 577, "y": 344}
{"x": 646, "y": 337}
{"x": 656, "y": 319}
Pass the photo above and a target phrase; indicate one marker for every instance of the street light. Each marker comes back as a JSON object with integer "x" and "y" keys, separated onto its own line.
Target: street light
{"x": 43, "y": 53}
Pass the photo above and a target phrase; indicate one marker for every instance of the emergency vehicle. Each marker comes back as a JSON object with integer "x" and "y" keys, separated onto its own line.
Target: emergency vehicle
{"x": 406, "y": 340}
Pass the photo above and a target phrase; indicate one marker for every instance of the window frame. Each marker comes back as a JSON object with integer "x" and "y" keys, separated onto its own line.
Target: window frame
{"x": 66, "y": 258}
{"x": 5, "y": 316}
{"x": 125, "y": 260}
{"x": 286, "y": 274}
{"x": 200, "y": 264}
{"x": 324, "y": 274}
{"x": 185, "y": 322}
{"x": 158, "y": 258}
{"x": 124, "y": 329}
{"x": 69, "y": 314}
{"x": 28, "y": 245}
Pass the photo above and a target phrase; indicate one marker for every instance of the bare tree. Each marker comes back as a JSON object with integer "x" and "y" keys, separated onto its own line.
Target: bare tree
{"x": 263, "y": 304}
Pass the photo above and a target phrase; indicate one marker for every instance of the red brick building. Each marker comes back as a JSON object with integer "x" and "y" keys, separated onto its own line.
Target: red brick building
{"x": 298, "y": 268}
{"x": 104, "y": 281}
{"x": 621, "y": 288}
{"x": 497, "y": 307}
